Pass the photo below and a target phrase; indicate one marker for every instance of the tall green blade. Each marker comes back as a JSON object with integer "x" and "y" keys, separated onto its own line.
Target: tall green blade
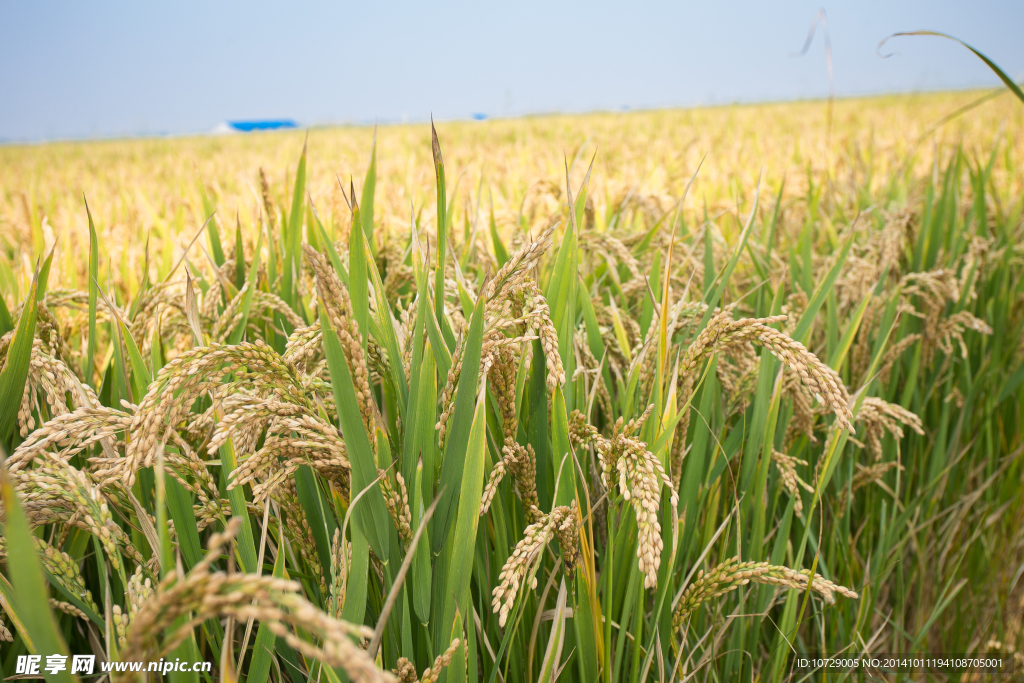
{"x": 457, "y": 439}
{"x": 442, "y": 227}
{"x": 245, "y": 547}
{"x": 386, "y": 325}
{"x": 31, "y": 597}
{"x": 821, "y": 293}
{"x": 556, "y": 640}
{"x": 322, "y": 523}
{"x": 263, "y": 648}
{"x": 369, "y": 189}
{"x": 356, "y": 585}
{"x": 332, "y": 253}
{"x": 500, "y": 252}
{"x": 1007, "y": 81}
{"x": 418, "y": 453}
{"x": 460, "y": 570}
{"x": 371, "y": 514}
{"x": 179, "y": 504}
{"x": 441, "y": 353}
{"x": 216, "y": 250}
{"x": 357, "y": 283}
{"x": 94, "y": 273}
{"x": 6, "y": 323}
{"x": 15, "y": 372}
{"x": 240, "y": 255}
{"x": 251, "y": 284}
{"x": 713, "y": 294}
{"x": 292, "y": 253}
{"x": 141, "y": 376}
{"x": 564, "y": 470}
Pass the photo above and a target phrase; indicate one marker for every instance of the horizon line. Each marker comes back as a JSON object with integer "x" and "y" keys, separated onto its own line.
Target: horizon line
{"x": 216, "y": 128}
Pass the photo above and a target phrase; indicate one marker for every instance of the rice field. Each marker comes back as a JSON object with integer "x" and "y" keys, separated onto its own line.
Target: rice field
{"x": 649, "y": 396}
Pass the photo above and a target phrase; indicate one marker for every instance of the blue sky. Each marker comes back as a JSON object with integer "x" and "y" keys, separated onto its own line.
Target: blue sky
{"x": 102, "y": 69}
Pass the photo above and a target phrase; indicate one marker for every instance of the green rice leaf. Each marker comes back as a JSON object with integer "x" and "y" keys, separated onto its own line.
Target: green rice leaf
{"x": 372, "y": 516}
{"x": 386, "y": 325}
{"x": 835, "y": 361}
{"x": 263, "y": 648}
{"x": 418, "y": 453}
{"x": 7, "y": 594}
{"x": 422, "y": 571}
{"x": 441, "y": 353}
{"x": 94, "y": 273}
{"x": 1007, "y": 81}
{"x": 179, "y": 504}
{"x": 292, "y": 236}
{"x": 251, "y": 284}
{"x": 211, "y": 227}
{"x": 30, "y": 594}
{"x": 44, "y": 275}
{"x": 357, "y": 285}
{"x": 457, "y": 440}
{"x": 240, "y": 254}
{"x": 803, "y": 328}
{"x": 714, "y": 293}
{"x": 15, "y": 372}
{"x": 321, "y": 520}
{"x": 500, "y": 252}
{"x": 460, "y": 568}
{"x": 564, "y": 471}
{"x": 141, "y": 377}
{"x": 556, "y": 639}
{"x": 245, "y": 545}
{"x": 369, "y": 189}
{"x": 442, "y": 225}
{"x": 332, "y": 253}
{"x": 354, "y": 608}
{"x": 6, "y": 323}
{"x": 70, "y": 596}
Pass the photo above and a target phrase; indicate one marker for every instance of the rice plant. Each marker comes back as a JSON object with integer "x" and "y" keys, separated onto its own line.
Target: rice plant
{"x": 596, "y": 439}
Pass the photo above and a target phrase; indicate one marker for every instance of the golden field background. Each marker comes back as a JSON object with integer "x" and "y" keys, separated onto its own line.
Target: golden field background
{"x": 148, "y": 187}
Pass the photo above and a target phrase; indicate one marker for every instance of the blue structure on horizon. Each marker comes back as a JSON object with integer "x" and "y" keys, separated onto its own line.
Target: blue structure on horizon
{"x": 267, "y": 124}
